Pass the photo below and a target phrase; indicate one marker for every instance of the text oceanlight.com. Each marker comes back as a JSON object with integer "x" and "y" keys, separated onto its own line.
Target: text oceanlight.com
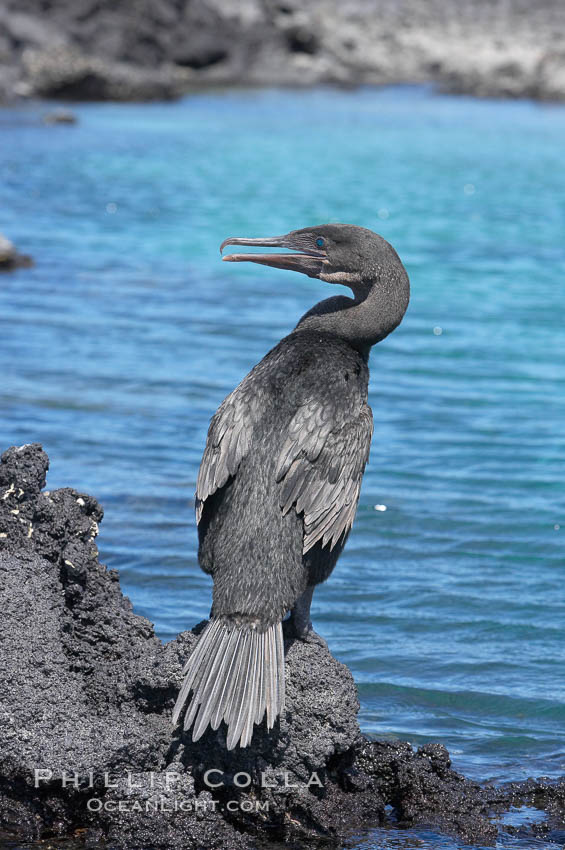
{"x": 163, "y": 804}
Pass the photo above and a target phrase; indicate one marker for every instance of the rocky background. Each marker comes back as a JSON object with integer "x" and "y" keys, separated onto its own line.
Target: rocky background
{"x": 86, "y": 687}
{"x": 144, "y": 49}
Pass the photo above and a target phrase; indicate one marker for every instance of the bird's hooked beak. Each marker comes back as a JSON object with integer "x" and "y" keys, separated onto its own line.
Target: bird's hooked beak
{"x": 305, "y": 258}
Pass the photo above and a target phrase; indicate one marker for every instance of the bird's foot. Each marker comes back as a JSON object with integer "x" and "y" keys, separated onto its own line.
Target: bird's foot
{"x": 302, "y": 631}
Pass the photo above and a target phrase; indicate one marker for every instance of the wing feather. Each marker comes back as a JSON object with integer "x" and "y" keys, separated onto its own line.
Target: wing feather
{"x": 321, "y": 466}
{"x": 229, "y": 438}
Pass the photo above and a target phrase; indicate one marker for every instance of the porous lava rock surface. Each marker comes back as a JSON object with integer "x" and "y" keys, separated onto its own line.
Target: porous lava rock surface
{"x": 86, "y": 695}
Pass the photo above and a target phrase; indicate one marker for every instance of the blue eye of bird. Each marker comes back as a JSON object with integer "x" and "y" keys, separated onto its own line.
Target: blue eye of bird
{"x": 320, "y": 242}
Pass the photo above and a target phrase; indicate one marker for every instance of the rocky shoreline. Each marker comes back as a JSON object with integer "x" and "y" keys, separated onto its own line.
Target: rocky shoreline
{"x": 86, "y": 693}
{"x": 159, "y": 49}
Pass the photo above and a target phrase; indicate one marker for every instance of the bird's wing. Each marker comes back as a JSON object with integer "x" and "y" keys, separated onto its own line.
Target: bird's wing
{"x": 321, "y": 466}
{"x": 229, "y": 439}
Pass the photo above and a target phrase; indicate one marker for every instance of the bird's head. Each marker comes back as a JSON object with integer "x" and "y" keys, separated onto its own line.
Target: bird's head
{"x": 336, "y": 253}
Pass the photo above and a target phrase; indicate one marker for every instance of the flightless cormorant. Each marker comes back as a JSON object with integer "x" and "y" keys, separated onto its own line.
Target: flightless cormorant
{"x": 280, "y": 477}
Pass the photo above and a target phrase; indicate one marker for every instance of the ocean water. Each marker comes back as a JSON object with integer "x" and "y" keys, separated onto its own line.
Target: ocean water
{"x": 117, "y": 347}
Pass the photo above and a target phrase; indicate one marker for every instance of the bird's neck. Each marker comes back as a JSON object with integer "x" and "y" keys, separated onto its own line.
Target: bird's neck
{"x": 360, "y": 321}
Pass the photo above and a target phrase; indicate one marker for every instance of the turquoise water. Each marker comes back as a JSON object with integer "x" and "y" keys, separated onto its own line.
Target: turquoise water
{"x": 118, "y": 346}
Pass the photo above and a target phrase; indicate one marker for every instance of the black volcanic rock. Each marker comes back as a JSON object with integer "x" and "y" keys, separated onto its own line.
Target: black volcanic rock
{"x": 87, "y": 689}
{"x": 73, "y": 652}
{"x": 10, "y": 258}
{"x": 86, "y": 694}
{"x": 70, "y": 74}
{"x": 144, "y": 49}
{"x": 163, "y": 812}
{"x": 59, "y": 116}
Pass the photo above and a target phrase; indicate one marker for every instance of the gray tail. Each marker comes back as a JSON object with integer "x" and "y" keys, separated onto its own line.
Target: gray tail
{"x": 234, "y": 673}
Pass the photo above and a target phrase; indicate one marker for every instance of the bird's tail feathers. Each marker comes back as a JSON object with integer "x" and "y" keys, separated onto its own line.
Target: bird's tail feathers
{"x": 235, "y": 673}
